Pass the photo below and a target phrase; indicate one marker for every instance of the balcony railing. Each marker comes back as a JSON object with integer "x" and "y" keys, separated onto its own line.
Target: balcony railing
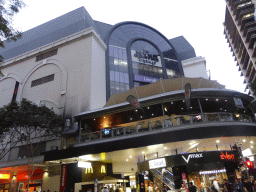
{"x": 148, "y": 126}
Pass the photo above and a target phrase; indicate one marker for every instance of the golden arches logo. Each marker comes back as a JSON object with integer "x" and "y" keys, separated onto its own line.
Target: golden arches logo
{"x": 103, "y": 169}
{"x": 88, "y": 170}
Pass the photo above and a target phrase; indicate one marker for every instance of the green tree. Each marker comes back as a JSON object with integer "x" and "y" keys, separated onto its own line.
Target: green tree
{"x": 27, "y": 124}
{"x": 8, "y": 8}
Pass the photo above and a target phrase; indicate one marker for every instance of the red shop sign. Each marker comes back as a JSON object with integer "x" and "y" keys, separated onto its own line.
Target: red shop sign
{"x": 24, "y": 175}
{"x": 63, "y": 177}
{"x": 227, "y": 157}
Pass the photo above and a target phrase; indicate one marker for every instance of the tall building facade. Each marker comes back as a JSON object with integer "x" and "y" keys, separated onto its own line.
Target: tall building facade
{"x": 239, "y": 28}
{"x": 74, "y": 64}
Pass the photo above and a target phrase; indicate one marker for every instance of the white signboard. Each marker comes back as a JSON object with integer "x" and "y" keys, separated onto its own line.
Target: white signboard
{"x": 157, "y": 163}
{"x": 146, "y": 58}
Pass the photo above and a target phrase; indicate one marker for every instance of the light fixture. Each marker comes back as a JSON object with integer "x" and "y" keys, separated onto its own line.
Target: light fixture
{"x": 251, "y": 141}
{"x": 93, "y": 119}
{"x": 251, "y": 146}
{"x": 182, "y": 108}
{"x": 155, "y": 154}
{"x": 183, "y": 101}
{"x": 191, "y": 143}
{"x": 142, "y": 151}
{"x": 140, "y": 116}
{"x": 130, "y": 156}
{"x": 152, "y": 114}
{"x": 148, "y": 107}
{"x": 165, "y": 147}
{"x": 217, "y": 141}
{"x": 127, "y": 160}
{"x": 136, "y": 110}
{"x": 244, "y": 140}
{"x": 165, "y": 109}
{"x": 226, "y": 100}
{"x": 104, "y": 117}
{"x": 171, "y": 102}
{"x": 146, "y": 158}
{"x": 217, "y": 99}
{"x": 206, "y": 99}
{"x": 131, "y": 119}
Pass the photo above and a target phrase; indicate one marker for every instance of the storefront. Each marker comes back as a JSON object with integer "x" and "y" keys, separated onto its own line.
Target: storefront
{"x": 198, "y": 168}
{"x": 35, "y": 182}
{"x": 5, "y": 181}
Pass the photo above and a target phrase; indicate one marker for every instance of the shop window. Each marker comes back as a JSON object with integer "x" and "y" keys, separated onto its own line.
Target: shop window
{"x": 42, "y": 80}
{"x": 38, "y": 149}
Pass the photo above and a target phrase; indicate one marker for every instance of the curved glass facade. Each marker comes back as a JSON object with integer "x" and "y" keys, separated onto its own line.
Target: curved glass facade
{"x": 138, "y": 55}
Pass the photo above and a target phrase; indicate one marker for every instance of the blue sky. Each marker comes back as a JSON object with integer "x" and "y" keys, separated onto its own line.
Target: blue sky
{"x": 199, "y": 21}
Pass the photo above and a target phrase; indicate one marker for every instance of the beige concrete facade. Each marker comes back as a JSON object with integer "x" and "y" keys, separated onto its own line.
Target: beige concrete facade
{"x": 79, "y": 81}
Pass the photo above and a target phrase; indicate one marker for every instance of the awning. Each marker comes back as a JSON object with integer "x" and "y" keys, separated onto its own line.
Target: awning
{"x": 163, "y": 86}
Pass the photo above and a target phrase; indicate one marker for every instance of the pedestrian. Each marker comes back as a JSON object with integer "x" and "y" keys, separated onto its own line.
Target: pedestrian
{"x": 117, "y": 189}
{"x": 192, "y": 188}
{"x": 227, "y": 187}
{"x": 105, "y": 189}
{"x": 215, "y": 185}
{"x": 238, "y": 186}
{"x": 248, "y": 185}
{"x": 165, "y": 188}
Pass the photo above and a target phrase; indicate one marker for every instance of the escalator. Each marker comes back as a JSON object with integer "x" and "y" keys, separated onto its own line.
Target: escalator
{"x": 167, "y": 178}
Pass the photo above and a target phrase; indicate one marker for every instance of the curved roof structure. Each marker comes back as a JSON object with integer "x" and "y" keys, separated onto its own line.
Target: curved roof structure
{"x": 162, "y": 86}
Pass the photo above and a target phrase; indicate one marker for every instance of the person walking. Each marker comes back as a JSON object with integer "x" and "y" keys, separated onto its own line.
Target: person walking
{"x": 117, "y": 189}
{"x": 227, "y": 187}
{"x": 192, "y": 188}
{"x": 165, "y": 188}
{"x": 238, "y": 186}
{"x": 248, "y": 185}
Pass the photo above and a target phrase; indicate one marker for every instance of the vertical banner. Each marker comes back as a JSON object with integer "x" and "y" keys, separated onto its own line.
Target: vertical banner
{"x": 187, "y": 95}
{"x": 95, "y": 185}
{"x": 63, "y": 177}
{"x": 15, "y": 91}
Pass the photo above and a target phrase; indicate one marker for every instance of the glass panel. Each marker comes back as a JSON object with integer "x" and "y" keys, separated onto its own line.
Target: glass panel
{"x": 117, "y": 78}
{"x": 111, "y": 51}
{"x": 112, "y": 76}
{"x": 115, "y": 52}
{"x": 117, "y": 87}
{"x": 121, "y": 77}
{"x": 126, "y": 78}
{"x": 122, "y": 87}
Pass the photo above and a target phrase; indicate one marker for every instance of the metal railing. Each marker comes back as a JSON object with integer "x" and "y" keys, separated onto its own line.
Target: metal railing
{"x": 148, "y": 125}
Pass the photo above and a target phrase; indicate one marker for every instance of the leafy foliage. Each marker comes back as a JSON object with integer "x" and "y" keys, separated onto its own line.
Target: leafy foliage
{"x": 8, "y": 8}
{"x": 25, "y": 121}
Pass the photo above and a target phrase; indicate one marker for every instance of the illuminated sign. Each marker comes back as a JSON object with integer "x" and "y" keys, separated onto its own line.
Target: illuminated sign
{"x": 212, "y": 172}
{"x": 103, "y": 169}
{"x": 157, "y": 163}
{"x": 227, "y": 157}
{"x": 238, "y": 101}
{"x": 84, "y": 164}
{"x": 192, "y": 156}
{"x": 4, "y": 176}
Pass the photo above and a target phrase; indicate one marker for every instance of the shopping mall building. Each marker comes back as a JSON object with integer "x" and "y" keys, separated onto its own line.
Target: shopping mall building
{"x": 84, "y": 70}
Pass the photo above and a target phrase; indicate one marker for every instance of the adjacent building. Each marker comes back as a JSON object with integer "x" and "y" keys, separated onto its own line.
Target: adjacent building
{"x": 239, "y": 28}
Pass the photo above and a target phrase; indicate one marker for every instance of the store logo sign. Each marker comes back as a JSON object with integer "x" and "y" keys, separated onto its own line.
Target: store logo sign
{"x": 157, "y": 163}
{"x": 227, "y": 157}
{"x": 145, "y": 57}
{"x": 192, "y": 156}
